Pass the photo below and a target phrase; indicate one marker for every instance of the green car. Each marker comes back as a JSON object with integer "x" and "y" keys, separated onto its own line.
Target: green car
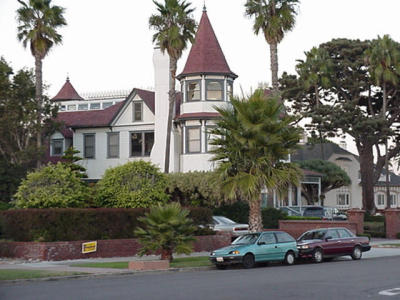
{"x": 252, "y": 248}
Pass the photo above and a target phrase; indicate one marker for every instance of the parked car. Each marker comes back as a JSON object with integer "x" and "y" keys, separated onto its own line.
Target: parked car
{"x": 326, "y": 213}
{"x": 327, "y": 243}
{"x": 252, "y": 248}
{"x": 221, "y": 223}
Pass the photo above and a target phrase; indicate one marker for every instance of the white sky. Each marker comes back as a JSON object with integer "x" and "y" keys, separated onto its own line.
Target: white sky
{"x": 107, "y": 45}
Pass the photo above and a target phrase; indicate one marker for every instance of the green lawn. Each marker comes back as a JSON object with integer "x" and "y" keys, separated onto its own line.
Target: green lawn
{"x": 11, "y": 274}
{"x": 391, "y": 245}
{"x": 185, "y": 262}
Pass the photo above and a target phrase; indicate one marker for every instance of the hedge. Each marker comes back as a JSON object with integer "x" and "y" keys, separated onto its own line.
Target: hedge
{"x": 74, "y": 224}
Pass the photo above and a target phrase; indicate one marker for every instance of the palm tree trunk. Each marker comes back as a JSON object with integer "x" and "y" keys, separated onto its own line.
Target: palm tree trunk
{"x": 171, "y": 99}
{"x": 274, "y": 66}
{"x": 255, "y": 220}
{"x": 38, "y": 98}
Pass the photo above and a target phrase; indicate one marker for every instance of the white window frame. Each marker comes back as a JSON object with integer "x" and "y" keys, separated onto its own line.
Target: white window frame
{"x": 346, "y": 198}
{"x": 109, "y": 134}
{"x": 380, "y": 196}
{"x": 134, "y": 103}
{"x": 52, "y": 147}
{"x": 221, "y": 83}
{"x": 188, "y": 128}
{"x": 84, "y": 145}
{"x": 187, "y": 90}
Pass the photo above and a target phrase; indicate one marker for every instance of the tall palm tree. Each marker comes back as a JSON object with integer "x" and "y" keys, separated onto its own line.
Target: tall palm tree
{"x": 383, "y": 58}
{"x": 315, "y": 73}
{"x": 174, "y": 29}
{"x": 254, "y": 138}
{"x": 274, "y": 18}
{"x": 38, "y": 23}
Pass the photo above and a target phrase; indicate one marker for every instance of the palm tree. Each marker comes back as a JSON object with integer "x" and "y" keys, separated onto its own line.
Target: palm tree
{"x": 274, "y": 18}
{"x": 315, "y": 73}
{"x": 175, "y": 28}
{"x": 383, "y": 58}
{"x": 254, "y": 139}
{"x": 38, "y": 23}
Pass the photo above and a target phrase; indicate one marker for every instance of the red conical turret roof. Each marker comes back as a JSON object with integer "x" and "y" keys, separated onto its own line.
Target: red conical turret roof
{"x": 67, "y": 92}
{"x": 206, "y": 56}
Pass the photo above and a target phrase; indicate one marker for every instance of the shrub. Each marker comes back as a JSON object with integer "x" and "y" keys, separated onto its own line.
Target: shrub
{"x": 398, "y": 235}
{"x": 52, "y": 186}
{"x": 369, "y": 218}
{"x": 135, "y": 184}
{"x": 238, "y": 211}
{"x": 365, "y": 234}
{"x": 167, "y": 229}
{"x": 271, "y": 217}
{"x": 194, "y": 189}
{"x": 69, "y": 224}
{"x": 200, "y": 215}
{"x": 301, "y": 218}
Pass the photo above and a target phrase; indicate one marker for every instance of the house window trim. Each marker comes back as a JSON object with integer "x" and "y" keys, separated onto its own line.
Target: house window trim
{"x": 395, "y": 200}
{"x": 95, "y": 103}
{"x": 187, "y": 129}
{"x": 347, "y": 198}
{"x": 187, "y": 84}
{"x": 229, "y": 83}
{"x": 83, "y": 109}
{"x": 52, "y": 147}
{"x": 84, "y": 145}
{"x": 134, "y": 111}
{"x": 377, "y": 200}
{"x": 142, "y": 132}
{"x": 222, "y": 83}
{"x": 207, "y": 128}
{"x": 108, "y": 144}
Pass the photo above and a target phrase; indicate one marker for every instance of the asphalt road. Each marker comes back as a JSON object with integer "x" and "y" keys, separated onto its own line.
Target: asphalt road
{"x": 363, "y": 279}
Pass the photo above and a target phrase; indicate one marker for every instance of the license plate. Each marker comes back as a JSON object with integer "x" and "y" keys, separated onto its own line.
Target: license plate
{"x": 220, "y": 259}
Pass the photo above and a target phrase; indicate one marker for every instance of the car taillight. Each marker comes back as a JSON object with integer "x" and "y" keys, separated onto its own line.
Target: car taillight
{"x": 239, "y": 228}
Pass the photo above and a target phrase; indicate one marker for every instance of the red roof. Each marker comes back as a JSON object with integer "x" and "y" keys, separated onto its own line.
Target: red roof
{"x": 206, "y": 56}
{"x": 90, "y": 118}
{"x": 199, "y": 115}
{"x": 67, "y": 92}
{"x": 148, "y": 97}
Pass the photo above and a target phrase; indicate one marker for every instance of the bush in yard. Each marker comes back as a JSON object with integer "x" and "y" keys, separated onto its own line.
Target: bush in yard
{"x": 238, "y": 211}
{"x": 167, "y": 229}
{"x": 52, "y": 186}
{"x": 271, "y": 217}
{"x": 134, "y": 184}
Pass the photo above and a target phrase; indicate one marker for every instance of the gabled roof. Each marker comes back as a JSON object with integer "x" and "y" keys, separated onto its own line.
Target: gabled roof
{"x": 148, "y": 97}
{"x": 308, "y": 152}
{"x": 67, "y": 92}
{"x": 206, "y": 56}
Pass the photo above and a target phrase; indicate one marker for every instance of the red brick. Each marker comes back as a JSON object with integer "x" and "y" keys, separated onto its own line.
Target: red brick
{"x": 392, "y": 219}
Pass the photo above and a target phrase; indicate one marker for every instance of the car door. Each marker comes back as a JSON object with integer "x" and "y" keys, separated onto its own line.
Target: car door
{"x": 347, "y": 240}
{"x": 333, "y": 245}
{"x": 285, "y": 242}
{"x": 266, "y": 248}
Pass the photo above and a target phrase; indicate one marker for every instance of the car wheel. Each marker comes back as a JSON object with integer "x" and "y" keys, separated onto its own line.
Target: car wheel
{"x": 357, "y": 253}
{"x": 318, "y": 256}
{"x": 248, "y": 261}
{"x": 220, "y": 267}
{"x": 289, "y": 258}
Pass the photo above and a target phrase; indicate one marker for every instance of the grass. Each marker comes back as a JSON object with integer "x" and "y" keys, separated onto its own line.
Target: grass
{"x": 391, "y": 245}
{"x": 184, "y": 262}
{"x": 12, "y": 274}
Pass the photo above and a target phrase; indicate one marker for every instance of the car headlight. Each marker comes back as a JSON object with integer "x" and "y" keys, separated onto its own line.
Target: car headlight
{"x": 234, "y": 252}
{"x": 303, "y": 247}
{"x": 212, "y": 253}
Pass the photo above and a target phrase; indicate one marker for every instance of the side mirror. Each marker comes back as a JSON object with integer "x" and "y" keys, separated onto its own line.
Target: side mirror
{"x": 261, "y": 243}
{"x": 328, "y": 238}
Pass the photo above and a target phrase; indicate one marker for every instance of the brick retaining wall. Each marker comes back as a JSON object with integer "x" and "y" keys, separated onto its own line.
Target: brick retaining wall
{"x": 105, "y": 248}
{"x": 297, "y": 227}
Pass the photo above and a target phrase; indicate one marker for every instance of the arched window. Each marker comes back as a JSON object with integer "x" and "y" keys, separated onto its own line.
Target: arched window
{"x": 214, "y": 90}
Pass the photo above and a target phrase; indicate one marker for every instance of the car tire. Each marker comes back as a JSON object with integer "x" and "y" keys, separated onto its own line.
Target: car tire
{"x": 220, "y": 267}
{"x": 318, "y": 256}
{"x": 248, "y": 261}
{"x": 356, "y": 254}
{"x": 289, "y": 258}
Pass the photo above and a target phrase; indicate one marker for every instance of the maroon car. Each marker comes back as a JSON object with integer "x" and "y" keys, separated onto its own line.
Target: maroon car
{"x": 326, "y": 243}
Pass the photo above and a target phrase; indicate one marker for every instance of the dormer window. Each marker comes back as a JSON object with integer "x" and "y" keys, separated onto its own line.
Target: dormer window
{"x": 137, "y": 111}
{"x": 215, "y": 89}
{"x": 193, "y": 90}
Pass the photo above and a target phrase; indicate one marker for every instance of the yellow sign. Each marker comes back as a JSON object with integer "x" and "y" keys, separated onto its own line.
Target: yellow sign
{"x": 89, "y": 247}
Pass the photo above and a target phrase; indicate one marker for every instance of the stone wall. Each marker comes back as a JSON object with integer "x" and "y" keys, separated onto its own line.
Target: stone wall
{"x": 296, "y": 227}
{"x": 105, "y": 248}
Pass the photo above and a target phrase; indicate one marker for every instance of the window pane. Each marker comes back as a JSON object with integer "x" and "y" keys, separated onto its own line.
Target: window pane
{"x": 344, "y": 233}
{"x": 214, "y": 90}
{"x": 193, "y": 90}
{"x": 210, "y": 138}
{"x": 62, "y": 108}
{"x": 82, "y": 107}
{"x": 193, "y": 139}
{"x": 136, "y": 143}
{"x": 230, "y": 90}
{"x": 89, "y": 144}
{"x": 137, "y": 111}
{"x": 71, "y": 107}
{"x": 267, "y": 238}
{"x": 107, "y": 104}
{"x": 113, "y": 144}
{"x": 283, "y": 237}
{"x": 332, "y": 233}
{"x": 57, "y": 147}
{"x": 148, "y": 142}
{"x": 94, "y": 105}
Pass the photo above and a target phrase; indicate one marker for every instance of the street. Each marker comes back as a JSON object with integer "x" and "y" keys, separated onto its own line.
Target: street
{"x": 339, "y": 279}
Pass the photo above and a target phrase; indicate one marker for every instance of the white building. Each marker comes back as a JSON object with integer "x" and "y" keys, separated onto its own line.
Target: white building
{"x": 114, "y": 128}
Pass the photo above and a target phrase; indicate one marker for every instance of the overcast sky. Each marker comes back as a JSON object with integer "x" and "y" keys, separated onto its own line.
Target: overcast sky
{"x": 107, "y": 45}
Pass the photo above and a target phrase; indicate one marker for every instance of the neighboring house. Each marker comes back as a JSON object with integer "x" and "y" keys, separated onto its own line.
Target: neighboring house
{"x": 349, "y": 196}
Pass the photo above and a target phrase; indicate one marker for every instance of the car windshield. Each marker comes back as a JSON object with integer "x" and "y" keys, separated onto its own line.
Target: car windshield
{"x": 246, "y": 239}
{"x": 314, "y": 212}
{"x": 224, "y": 220}
{"x": 313, "y": 235}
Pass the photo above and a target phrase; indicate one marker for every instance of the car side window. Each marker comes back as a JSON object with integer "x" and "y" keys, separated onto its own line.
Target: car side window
{"x": 332, "y": 233}
{"x": 283, "y": 237}
{"x": 267, "y": 238}
{"x": 344, "y": 233}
